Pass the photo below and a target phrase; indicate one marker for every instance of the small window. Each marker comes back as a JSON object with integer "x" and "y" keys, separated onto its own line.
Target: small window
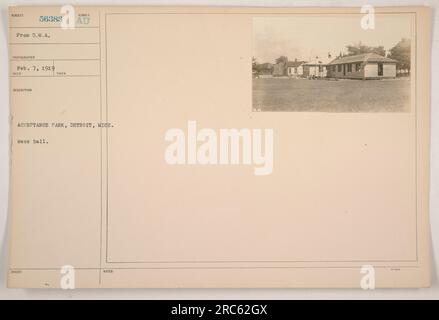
{"x": 339, "y": 68}
{"x": 357, "y": 67}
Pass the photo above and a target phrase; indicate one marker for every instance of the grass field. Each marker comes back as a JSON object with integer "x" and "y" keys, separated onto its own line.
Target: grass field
{"x": 282, "y": 94}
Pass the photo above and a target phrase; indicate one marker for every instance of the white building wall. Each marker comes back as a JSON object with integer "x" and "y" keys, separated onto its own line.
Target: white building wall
{"x": 315, "y": 71}
{"x": 295, "y": 71}
{"x": 389, "y": 70}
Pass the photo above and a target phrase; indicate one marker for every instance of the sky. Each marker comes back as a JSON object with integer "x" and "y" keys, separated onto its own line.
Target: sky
{"x": 306, "y": 36}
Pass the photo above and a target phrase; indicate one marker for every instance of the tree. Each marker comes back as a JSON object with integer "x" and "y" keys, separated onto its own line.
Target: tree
{"x": 401, "y": 53}
{"x": 283, "y": 59}
{"x": 360, "y": 48}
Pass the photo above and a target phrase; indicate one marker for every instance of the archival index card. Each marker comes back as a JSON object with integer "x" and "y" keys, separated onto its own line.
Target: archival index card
{"x": 219, "y": 147}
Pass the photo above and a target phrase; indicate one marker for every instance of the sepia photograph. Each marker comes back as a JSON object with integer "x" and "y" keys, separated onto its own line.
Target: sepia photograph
{"x": 328, "y": 63}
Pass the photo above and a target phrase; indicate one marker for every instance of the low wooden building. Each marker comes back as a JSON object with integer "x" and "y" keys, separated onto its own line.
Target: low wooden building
{"x": 362, "y": 66}
{"x": 288, "y": 68}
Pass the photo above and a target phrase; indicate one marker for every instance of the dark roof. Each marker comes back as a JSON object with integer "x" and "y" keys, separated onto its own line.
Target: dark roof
{"x": 365, "y": 57}
{"x": 294, "y": 63}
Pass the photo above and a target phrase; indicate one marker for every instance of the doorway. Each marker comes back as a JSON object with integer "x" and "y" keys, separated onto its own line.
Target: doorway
{"x": 380, "y": 69}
